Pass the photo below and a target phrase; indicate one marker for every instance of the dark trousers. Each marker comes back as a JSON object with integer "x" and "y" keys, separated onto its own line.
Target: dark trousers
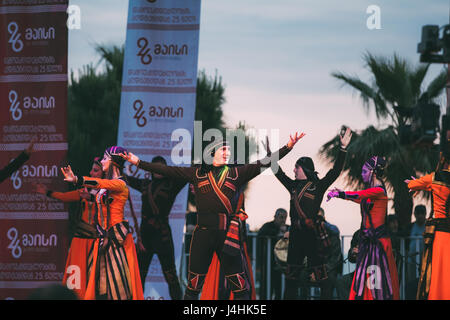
{"x": 158, "y": 240}
{"x": 204, "y": 243}
{"x": 302, "y": 243}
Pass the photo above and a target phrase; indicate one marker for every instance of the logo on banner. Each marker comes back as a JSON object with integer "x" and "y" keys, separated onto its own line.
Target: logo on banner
{"x": 154, "y": 112}
{"x": 159, "y": 50}
{"x": 28, "y": 240}
{"x": 34, "y": 103}
{"x": 139, "y": 115}
{"x": 16, "y": 250}
{"x": 40, "y": 33}
{"x": 16, "y": 113}
{"x": 14, "y": 39}
{"x": 16, "y": 181}
{"x": 146, "y": 57}
{"x": 40, "y": 171}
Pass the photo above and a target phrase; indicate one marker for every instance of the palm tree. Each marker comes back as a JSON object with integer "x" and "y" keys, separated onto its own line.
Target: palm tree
{"x": 209, "y": 100}
{"x": 395, "y": 83}
{"x": 93, "y": 108}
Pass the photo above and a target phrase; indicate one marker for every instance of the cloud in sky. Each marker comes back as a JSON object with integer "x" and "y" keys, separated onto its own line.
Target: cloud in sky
{"x": 275, "y": 59}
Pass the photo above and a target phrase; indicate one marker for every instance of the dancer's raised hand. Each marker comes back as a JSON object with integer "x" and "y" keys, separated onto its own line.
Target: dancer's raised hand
{"x": 407, "y": 181}
{"x": 130, "y": 157}
{"x": 346, "y": 138}
{"x": 294, "y": 140}
{"x": 68, "y": 174}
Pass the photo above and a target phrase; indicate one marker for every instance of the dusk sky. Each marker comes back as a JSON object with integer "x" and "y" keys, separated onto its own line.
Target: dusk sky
{"x": 275, "y": 59}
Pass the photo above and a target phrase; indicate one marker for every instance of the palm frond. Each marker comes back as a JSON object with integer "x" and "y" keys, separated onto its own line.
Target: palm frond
{"x": 437, "y": 85}
{"x": 366, "y": 93}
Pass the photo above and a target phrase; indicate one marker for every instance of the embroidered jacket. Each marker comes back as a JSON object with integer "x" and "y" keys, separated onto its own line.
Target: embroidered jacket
{"x": 213, "y": 194}
{"x": 309, "y": 201}
{"x": 115, "y": 191}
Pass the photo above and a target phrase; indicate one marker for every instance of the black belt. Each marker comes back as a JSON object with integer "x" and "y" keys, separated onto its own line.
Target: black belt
{"x": 212, "y": 220}
{"x": 442, "y": 224}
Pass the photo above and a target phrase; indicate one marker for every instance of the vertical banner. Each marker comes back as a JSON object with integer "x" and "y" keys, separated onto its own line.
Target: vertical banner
{"x": 33, "y": 98}
{"x": 158, "y": 97}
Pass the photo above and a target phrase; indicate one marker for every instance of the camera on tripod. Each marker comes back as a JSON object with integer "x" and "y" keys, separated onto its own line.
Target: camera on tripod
{"x": 432, "y": 45}
{"x": 421, "y": 123}
{"x": 424, "y": 117}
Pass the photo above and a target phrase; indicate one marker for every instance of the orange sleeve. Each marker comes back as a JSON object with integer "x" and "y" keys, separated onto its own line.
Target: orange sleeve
{"x": 116, "y": 185}
{"x": 423, "y": 183}
{"x": 70, "y": 196}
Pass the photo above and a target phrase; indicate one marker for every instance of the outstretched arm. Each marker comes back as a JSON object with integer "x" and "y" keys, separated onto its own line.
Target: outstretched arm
{"x": 279, "y": 173}
{"x": 423, "y": 183}
{"x": 357, "y": 196}
{"x": 283, "y": 178}
{"x": 186, "y": 173}
{"x": 249, "y": 171}
{"x": 13, "y": 166}
{"x": 115, "y": 185}
{"x": 70, "y": 196}
{"x": 134, "y": 182}
{"x": 17, "y": 162}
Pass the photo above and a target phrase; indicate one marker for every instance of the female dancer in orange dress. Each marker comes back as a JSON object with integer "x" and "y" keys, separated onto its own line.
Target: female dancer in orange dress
{"x": 113, "y": 270}
{"x": 376, "y": 275}
{"x": 76, "y": 271}
{"x": 434, "y": 281}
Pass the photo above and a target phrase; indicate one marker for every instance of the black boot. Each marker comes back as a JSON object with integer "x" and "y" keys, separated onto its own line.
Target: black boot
{"x": 174, "y": 284}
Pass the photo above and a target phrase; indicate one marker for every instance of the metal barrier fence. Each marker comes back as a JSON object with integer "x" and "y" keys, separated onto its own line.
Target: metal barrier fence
{"x": 407, "y": 251}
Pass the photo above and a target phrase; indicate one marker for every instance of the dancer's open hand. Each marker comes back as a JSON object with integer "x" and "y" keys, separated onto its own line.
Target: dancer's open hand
{"x": 130, "y": 157}
{"x": 294, "y": 140}
{"x": 68, "y": 174}
{"x": 346, "y": 138}
{"x": 407, "y": 181}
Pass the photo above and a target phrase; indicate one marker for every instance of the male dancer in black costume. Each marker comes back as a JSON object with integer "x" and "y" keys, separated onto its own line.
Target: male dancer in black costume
{"x": 307, "y": 234}
{"x": 158, "y": 196}
{"x": 217, "y": 227}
